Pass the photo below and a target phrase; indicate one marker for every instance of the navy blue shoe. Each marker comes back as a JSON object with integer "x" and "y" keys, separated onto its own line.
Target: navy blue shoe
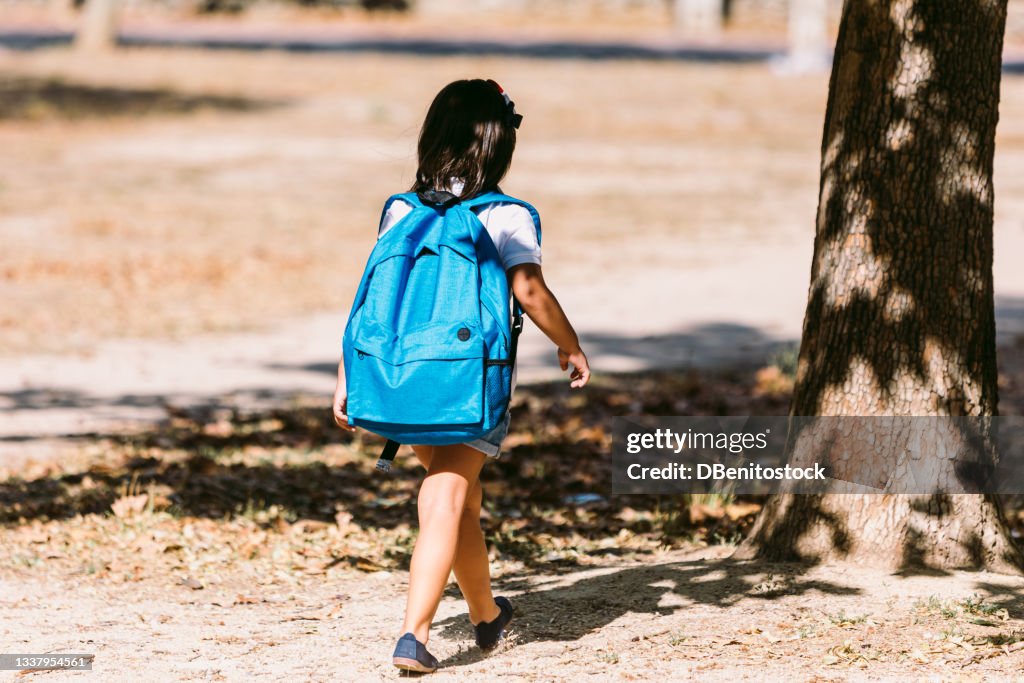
{"x": 411, "y": 655}
{"x": 490, "y": 633}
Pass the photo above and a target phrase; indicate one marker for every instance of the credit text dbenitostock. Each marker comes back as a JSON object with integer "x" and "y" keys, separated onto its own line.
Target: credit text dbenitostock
{"x": 813, "y": 455}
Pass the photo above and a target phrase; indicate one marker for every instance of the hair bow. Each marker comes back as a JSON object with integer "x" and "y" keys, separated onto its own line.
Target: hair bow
{"x": 512, "y": 118}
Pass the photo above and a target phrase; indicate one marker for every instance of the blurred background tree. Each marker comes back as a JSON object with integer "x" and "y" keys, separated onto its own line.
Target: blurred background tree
{"x": 97, "y": 29}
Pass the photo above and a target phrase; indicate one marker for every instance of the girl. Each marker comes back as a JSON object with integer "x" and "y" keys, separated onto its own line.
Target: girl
{"x": 465, "y": 148}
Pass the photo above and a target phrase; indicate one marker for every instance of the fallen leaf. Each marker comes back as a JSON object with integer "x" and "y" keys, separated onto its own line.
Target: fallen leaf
{"x": 126, "y": 506}
{"x": 740, "y": 510}
{"x": 192, "y": 582}
{"x": 326, "y": 612}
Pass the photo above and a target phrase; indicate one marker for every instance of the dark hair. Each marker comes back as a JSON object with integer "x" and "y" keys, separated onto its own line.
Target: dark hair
{"x": 467, "y": 136}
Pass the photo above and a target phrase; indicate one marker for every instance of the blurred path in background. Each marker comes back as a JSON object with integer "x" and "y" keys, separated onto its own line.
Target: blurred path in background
{"x": 420, "y": 41}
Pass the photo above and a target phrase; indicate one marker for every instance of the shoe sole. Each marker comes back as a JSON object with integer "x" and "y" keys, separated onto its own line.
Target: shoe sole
{"x": 406, "y": 664}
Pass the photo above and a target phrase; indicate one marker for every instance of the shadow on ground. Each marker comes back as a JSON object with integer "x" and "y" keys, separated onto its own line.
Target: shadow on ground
{"x": 561, "y": 611}
{"x": 23, "y": 98}
{"x": 709, "y": 346}
{"x": 217, "y": 458}
{"x": 423, "y": 47}
{"x": 554, "y": 481}
{"x": 1003, "y": 597}
{"x": 551, "y": 490}
{"x": 715, "y": 350}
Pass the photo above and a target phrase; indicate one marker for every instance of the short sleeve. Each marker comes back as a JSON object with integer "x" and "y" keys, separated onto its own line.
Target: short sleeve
{"x": 513, "y": 232}
{"x": 398, "y": 210}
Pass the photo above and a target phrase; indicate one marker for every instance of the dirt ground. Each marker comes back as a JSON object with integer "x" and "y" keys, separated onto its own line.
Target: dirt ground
{"x": 255, "y": 561}
{"x": 673, "y": 615}
{"x": 240, "y": 188}
{"x": 162, "y": 193}
{"x": 155, "y": 195}
{"x": 236, "y": 544}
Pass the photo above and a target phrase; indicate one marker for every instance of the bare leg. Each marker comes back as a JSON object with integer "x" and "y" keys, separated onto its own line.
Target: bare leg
{"x": 450, "y": 477}
{"x": 472, "y": 568}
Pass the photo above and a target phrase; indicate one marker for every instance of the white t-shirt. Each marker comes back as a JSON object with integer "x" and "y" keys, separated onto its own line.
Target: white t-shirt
{"x": 510, "y": 226}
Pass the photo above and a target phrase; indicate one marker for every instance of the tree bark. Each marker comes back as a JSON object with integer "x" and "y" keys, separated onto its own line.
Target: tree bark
{"x": 900, "y": 317}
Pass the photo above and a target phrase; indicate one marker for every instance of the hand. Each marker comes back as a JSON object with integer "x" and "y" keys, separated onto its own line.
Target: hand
{"x": 340, "y": 406}
{"x": 580, "y": 374}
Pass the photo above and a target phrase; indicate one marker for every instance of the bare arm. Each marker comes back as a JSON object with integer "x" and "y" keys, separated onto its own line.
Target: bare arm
{"x": 340, "y": 403}
{"x": 540, "y": 304}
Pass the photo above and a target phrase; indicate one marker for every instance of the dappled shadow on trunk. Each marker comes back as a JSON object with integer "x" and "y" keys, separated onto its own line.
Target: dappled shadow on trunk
{"x": 903, "y": 252}
{"x": 900, "y": 315}
{"x": 780, "y": 527}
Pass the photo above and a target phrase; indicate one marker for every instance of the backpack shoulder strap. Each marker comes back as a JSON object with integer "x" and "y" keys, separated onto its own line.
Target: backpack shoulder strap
{"x": 517, "y": 309}
{"x": 499, "y": 198}
{"x": 408, "y": 197}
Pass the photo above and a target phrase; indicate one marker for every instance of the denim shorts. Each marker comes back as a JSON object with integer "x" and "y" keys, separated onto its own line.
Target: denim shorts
{"x": 490, "y": 443}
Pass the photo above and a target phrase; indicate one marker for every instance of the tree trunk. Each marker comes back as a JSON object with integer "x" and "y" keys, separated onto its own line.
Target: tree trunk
{"x": 698, "y": 18}
{"x": 900, "y": 317}
{"x": 807, "y": 36}
{"x": 97, "y": 29}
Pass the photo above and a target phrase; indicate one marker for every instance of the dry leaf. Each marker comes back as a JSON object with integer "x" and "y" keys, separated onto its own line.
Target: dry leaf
{"x": 126, "y": 506}
{"x": 308, "y": 526}
{"x": 329, "y": 611}
{"x": 192, "y": 582}
{"x": 365, "y": 564}
{"x": 740, "y": 510}
{"x": 248, "y": 551}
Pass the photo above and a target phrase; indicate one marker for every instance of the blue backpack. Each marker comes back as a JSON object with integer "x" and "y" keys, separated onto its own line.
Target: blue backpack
{"x": 430, "y": 342}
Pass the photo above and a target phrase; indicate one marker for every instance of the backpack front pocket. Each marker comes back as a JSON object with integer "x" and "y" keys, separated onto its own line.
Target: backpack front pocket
{"x": 431, "y": 376}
